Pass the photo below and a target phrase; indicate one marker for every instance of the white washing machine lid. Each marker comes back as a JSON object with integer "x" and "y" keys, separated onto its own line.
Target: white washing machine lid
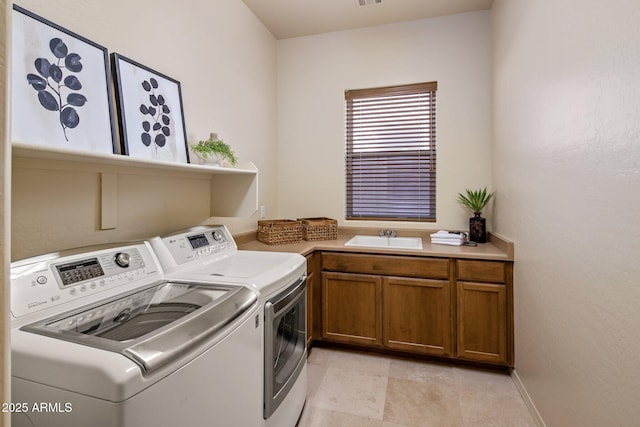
{"x": 267, "y": 272}
{"x": 248, "y": 264}
{"x": 153, "y": 326}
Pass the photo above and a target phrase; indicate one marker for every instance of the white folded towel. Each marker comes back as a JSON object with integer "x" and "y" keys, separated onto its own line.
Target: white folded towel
{"x": 442, "y": 234}
{"x": 451, "y": 242}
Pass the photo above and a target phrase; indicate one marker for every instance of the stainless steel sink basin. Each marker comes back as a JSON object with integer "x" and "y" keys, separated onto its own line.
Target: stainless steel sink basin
{"x": 386, "y": 242}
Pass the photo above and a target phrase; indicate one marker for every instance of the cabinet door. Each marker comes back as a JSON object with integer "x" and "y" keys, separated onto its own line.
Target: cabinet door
{"x": 417, "y": 315}
{"x": 352, "y": 308}
{"x": 482, "y": 319}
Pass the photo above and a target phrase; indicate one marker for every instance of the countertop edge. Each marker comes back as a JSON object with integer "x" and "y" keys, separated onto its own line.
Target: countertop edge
{"x": 498, "y": 248}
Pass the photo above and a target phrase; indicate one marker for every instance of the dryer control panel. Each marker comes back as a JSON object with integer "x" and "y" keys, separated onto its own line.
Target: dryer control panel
{"x": 206, "y": 242}
{"x": 51, "y": 280}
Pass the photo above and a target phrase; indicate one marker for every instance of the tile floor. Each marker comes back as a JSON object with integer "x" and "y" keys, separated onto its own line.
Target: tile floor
{"x": 356, "y": 389}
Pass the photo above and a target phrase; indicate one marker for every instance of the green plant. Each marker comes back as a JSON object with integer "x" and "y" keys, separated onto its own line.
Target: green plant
{"x": 214, "y": 147}
{"x": 475, "y": 200}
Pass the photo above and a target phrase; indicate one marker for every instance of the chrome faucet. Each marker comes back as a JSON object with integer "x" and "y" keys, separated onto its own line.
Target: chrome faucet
{"x": 388, "y": 233}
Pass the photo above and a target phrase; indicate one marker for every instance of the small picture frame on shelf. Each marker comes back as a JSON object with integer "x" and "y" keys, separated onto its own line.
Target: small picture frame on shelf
{"x": 60, "y": 88}
{"x": 150, "y": 112}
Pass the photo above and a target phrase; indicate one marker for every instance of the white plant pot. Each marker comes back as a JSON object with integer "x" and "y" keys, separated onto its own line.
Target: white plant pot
{"x": 211, "y": 160}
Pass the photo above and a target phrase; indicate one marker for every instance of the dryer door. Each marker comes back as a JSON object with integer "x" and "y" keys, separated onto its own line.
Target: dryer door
{"x": 285, "y": 343}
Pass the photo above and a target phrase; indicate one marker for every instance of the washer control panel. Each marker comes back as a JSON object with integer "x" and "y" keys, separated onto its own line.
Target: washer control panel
{"x": 44, "y": 282}
{"x": 194, "y": 244}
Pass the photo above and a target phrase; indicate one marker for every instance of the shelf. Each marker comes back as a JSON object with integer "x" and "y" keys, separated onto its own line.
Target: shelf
{"x": 233, "y": 190}
{"x": 28, "y": 151}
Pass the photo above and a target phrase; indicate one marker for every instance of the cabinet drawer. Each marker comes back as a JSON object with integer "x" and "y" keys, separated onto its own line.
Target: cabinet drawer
{"x": 431, "y": 268}
{"x": 481, "y": 271}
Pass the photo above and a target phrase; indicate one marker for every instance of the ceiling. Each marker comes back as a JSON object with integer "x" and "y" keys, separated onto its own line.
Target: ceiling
{"x": 295, "y": 18}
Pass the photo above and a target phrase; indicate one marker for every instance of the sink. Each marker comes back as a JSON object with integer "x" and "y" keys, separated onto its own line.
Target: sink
{"x": 386, "y": 242}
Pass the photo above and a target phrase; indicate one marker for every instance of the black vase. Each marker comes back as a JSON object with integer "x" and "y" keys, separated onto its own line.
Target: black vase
{"x": 478, "y": 229}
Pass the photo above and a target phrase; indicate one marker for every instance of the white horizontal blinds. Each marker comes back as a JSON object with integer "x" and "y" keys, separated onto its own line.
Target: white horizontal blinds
{"x": 391, "y": 153}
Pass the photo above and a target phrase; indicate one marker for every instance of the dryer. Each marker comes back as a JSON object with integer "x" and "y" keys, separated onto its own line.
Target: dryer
{"x": 206, "y": 252}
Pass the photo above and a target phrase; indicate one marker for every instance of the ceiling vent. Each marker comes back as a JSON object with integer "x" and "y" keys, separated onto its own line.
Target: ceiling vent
{"x": 368, "y": 2}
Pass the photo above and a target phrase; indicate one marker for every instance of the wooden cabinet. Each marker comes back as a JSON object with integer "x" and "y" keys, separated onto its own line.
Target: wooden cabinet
{"x": 484, "y": 311}
{"x": 417, "y": 315}
{"x": 411, "y": 313}
{"x": 352, "y": 308}
{"x": 482, "y": 322}
{"x": 453, "y": 308}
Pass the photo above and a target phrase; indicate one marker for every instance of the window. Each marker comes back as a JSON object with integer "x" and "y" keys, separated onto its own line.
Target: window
{"x": 391, "y": 153}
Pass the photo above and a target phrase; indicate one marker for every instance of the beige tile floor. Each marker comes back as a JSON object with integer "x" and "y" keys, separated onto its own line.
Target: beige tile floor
{"x": 356, "y": 389}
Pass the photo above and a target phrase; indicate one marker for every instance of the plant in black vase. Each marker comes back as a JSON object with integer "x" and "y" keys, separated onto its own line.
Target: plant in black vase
{"x": 476, "y": 201}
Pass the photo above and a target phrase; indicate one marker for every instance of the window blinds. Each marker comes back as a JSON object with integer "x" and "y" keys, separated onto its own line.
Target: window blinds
{"x": 391, "y": 153}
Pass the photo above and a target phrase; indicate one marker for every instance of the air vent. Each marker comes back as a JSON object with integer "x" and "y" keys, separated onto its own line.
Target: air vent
{"x": 368, "y": 2}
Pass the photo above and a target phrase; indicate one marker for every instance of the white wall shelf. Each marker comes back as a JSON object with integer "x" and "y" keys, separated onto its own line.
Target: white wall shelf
{"x": 234, "y": 190}
{"x": 38, "y": 152}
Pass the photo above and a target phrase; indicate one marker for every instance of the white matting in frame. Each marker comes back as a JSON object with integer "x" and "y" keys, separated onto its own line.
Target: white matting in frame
{"x": 150, "y": 112}
{"x": 61, "y": 88}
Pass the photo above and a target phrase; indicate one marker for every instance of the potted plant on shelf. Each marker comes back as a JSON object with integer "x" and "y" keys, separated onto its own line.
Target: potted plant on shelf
{"x": 214, "y": 151}
{"x": 476, "y": 201}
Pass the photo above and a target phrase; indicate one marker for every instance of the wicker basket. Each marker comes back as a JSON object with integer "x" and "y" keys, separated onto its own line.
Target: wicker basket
{"x": 279, "y": 231}
{"x": 319, "y": 228}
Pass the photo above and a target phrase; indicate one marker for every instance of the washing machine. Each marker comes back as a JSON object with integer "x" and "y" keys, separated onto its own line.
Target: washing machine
{"x": 206, "y": 252}
{"x": 100, "y": 337}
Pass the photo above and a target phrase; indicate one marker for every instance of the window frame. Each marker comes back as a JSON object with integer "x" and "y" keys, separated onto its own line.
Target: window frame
{"x": 361, "y": 147}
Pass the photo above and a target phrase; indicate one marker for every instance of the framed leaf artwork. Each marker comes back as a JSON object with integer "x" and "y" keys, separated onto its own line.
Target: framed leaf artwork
{"x": 150, "y": 112}
{"x": 60, "y": 89}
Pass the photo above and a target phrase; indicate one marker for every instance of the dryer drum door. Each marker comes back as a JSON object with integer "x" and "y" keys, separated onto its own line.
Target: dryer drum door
{"x": 285, "y": 343}
{"x": 153, "y": 326}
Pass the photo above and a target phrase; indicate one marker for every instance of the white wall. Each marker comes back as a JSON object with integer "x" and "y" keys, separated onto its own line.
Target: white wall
{"x": 225, "y": 60}
{"x": 5, "y": 368}
{"x": 313, "y": 73}
{"x": 567, "y": 169}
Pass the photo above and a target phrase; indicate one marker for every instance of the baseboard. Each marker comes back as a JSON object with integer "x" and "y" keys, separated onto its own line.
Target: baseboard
{"x": 527, "y": 399}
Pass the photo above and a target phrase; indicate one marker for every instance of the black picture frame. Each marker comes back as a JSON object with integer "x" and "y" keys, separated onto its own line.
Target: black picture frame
{"x": 150, "y": 112}
{"x": 61, "y": 88}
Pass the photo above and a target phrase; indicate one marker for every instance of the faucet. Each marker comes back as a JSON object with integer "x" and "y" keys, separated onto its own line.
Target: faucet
{"x": 388, "y": 233}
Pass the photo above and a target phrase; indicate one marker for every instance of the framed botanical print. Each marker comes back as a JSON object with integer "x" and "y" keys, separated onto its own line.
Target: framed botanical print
{"x": 150, "y": 112}
{"x": 60, "y": 89}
